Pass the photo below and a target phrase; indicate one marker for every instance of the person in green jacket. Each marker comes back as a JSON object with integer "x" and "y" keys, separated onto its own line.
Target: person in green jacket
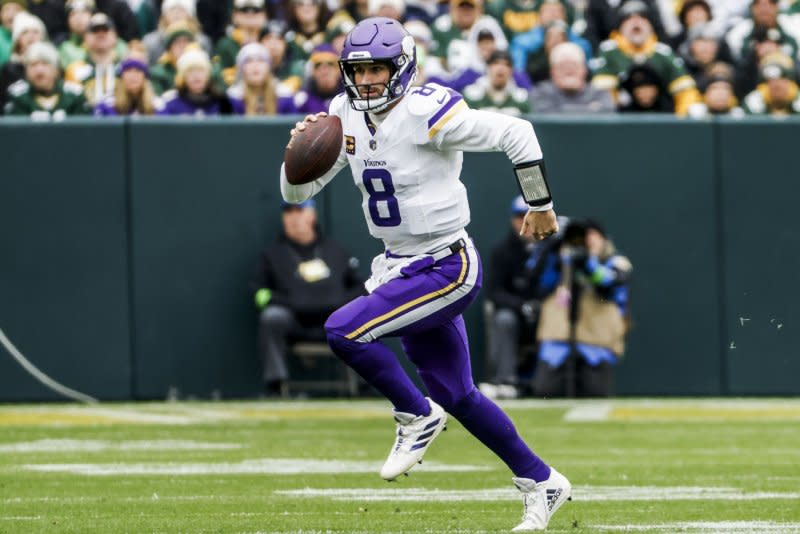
{"x": 42, "y": 95}
{"x": 496, "y": 91}
{"x": 178, "y": 36}
{"x": 8, "y": 10}
{"x": 778, "y": 93}
{"x": 247, "y": 19}
{"x": 636, "y": 44}
{"x": 79, "y": 13}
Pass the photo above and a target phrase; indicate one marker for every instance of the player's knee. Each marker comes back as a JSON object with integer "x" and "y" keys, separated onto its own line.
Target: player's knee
{"x": 337, "y": 338}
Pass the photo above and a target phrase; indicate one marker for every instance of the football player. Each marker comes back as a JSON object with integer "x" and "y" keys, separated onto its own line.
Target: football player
{"x": 404, "y": 146}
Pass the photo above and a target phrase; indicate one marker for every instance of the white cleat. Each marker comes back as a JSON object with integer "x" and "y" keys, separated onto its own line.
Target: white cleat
{"x": 542, "y": 500}
{"x": 415, "y": 433}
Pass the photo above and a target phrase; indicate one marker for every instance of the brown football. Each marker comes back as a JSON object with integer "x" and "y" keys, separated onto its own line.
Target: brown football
{"x": 312, "y": 152}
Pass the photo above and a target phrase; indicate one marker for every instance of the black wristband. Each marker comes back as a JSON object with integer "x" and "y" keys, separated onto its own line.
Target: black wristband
{"x": 532, "y": 181}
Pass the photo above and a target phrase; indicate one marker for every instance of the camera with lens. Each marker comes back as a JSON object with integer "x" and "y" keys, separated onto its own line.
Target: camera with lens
{"x": 572, "y": 244}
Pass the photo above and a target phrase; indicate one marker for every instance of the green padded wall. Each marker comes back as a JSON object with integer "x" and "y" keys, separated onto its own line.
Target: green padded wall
{"x": 760, "y": 188}
{"x": 125, "y": 274}
{"x": 205, "y": 202}
{"x": 64, "y": 265}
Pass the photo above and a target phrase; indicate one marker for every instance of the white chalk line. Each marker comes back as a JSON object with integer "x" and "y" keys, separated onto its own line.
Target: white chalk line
{"x": 579, "y": 493}
{"x": 267, "y": 466}
{"x": 78, "y": 445}
{"x": 726, "y": 527}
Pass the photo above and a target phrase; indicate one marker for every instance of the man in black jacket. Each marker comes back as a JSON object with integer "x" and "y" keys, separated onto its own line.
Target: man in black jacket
{"x": 513, "y": 317}
{"x": 302, "y": 278}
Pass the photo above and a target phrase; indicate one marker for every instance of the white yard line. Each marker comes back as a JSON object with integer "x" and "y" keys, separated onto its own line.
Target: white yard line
{"x": 589, "y": 412}
{"x": 579, "y": 493}
{"x": 726, "y": 527}
{"x": 271, "y": 466}
{"x": 80, "y": 445}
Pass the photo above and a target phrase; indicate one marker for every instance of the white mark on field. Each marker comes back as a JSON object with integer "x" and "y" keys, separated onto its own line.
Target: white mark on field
{"x": 728, "y": 527}
{"x": 579, "y": 493}
{"x": 79, "y": 445}
{"x": 589, "y": 412}
{"x": 270, "y": 466}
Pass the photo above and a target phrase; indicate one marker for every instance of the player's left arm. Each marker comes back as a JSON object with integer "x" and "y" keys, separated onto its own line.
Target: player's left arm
{"x": 473, "y": 130}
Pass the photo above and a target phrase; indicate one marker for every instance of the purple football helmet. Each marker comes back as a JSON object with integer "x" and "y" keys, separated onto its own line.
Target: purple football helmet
{"x": 379, "y": 39}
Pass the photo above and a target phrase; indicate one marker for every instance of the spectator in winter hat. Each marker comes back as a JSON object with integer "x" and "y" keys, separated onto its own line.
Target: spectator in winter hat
{"x": 337, "y": 32}
{"x": 702, "y": 49}
{"x": 323, "y": 82}
{"x": 195, "y": 93}
{"x": 604, "y": 17}
{"x": 97, "y": 72}
{"x": 568, "y": 90}
{"x": 718, "y": 94}
{"x": 27, "y": 30}
{"x": 778, "y": 93}
{"x": 496, "y": 91}
{"x": 179, "y": 36}
{"x": 646, "y": 91}
{"x": 289, "y": 73}
{"x": 8, "y": 10}
{"x": 635, "y": 44}
{"x": 463, "y": 23}
{"x": 247, "y": 19}
{"x": 693, "y": 13}
{"x": 393, "y": 9}
{"x": 79, "y": 13}
{"x": 767, "y": 35}
{"x": 308, "y": 21}
{"x": 42, "y": 95}
{"x": 254, "y": 91}
{"x": 133, "y": 93}
{"x": 765, "y": 23}
{"x": 174, "y": 12}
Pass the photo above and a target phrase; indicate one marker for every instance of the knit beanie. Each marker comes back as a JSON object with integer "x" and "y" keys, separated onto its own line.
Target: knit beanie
{"x": 42, "y": 51}
{"x": 23, "y": 22}
{"x": 188, "y": 5}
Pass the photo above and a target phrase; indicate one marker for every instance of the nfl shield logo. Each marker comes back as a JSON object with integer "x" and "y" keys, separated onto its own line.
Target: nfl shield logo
{"x": 373, "y": 144}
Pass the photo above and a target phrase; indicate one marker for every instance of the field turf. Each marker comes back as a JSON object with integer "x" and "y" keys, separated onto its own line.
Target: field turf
{"x": 640, "y": 465}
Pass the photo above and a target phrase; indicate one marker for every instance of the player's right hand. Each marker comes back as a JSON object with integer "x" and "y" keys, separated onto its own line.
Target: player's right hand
{"x": 300, "y": 126}
{"x": 539, "y": 224}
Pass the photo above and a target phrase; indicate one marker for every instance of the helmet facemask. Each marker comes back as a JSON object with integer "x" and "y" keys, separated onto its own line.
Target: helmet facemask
{"x": 401, "y": 78}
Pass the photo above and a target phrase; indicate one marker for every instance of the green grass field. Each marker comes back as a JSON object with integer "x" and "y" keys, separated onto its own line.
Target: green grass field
{"x": 685, "y": 465}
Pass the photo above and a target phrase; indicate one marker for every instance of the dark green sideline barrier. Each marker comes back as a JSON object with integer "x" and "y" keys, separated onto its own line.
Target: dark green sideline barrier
{"x": 758, "y": 163}
{"x": 125, "y": 273}
{"x": 63, "y": 257}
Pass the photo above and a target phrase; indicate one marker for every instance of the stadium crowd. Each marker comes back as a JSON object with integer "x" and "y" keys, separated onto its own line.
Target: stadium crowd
{"x": 262, "y": 57}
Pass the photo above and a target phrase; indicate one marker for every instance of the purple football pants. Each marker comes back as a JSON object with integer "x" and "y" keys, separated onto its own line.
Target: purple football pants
{"x": 423, "y": 307}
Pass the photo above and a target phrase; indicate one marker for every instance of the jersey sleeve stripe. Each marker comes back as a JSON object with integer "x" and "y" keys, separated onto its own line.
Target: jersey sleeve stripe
{"x": 452, "y": 101}
{"x": 453, "y": 108}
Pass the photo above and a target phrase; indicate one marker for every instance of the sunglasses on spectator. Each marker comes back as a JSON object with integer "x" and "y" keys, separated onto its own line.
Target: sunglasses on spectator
{"x": 250, "y": 9}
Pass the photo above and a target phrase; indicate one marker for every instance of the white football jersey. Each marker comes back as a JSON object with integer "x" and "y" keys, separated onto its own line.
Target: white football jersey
{"x": 408, "y": 166}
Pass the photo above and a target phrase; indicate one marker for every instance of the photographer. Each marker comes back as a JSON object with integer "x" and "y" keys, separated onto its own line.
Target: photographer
{"x": 584, "y": 315}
